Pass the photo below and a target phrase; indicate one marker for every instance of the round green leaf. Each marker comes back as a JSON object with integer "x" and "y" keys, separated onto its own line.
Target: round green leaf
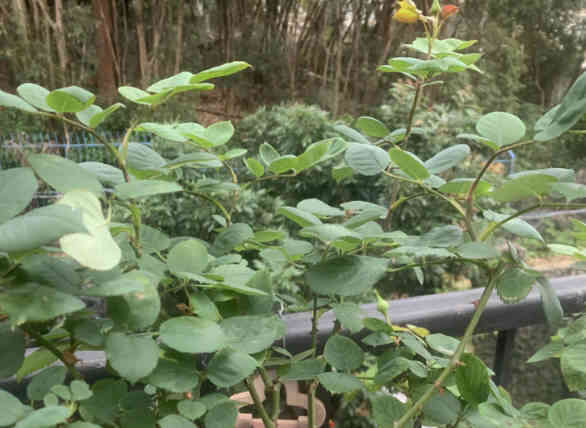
{"x": 12, "y": 344}
{"x": 95, "y": 249}
{"x": 472, "y": 379}
{"x": 222, "y": 415}
{"x": 188, "y": 256}
{"x": 72, "y": 99}
{"x": 350, "y": 316}
{"x": 255, "y": 167}
{"x": 228, "y": 367}
{"x": 231, "y": 237}
{"x": 447, "y": 158}
{"x": 100, "y": 116}
{"x": 301, "y": 217}
{"x": 45, "y": 417}
{"x": 104, "y": 404}
{"x": 516, "y": 226}
{"x": 106, "y": 174}
{"x": 501, "y": 128}
{"x": 409, "y": 164}
{"x": 514, "y": 285}
{"x": 143, "y": 158}
{"x": 167, "y": 132}
{"x": 569, "y": 413}
{"x": 133, "y": 94}
{"x": 174, "y": 375}
{"x": 141, "y": 188}
{"x": 339, "y": 383}
{"x": 372, "y": 127}
{"x": 84, "y": 116}
{"x": 219, "y": 71}
{"x": 343, "y": 353}
{"x": 386, "y": 409}
{"x": 252, "y": 334}
{"x": 573, "y": 366}
{"x": 17, "y": 188}
{"x": 319, "y": 208}
{"x": 138, "y": 418}
{"x": 463, "y": 185}
{"x": 12, "y": 409}
{"x": 64, "y": 175}
{"x": 192, "y": 335}
{"x": 191, "y": 409}
{"x": 42, "y": 383}
{"x": 33, "y": 302}
{"x": 138, "y": 309}
{"x": 366, "y": 159}
{"x": 12, "y": 101}
{"x": 477, "y": 250}
{"x": 346, "y": 276}
{"x": 175, "y": 421}
{"x": 80, "y": 390}
{"x": 133, "y": 357}
{"x": 523, "y": 187}
{"x": 441, "y": 343}
{"x": 219, "y": 133}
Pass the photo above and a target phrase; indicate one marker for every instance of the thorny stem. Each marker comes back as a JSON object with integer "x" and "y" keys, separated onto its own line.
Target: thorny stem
{"x": 273, "y": 387}
{"x": 54, "y": 350}
{"x": 258, "y": 404}
{"x": 455, "y": 360}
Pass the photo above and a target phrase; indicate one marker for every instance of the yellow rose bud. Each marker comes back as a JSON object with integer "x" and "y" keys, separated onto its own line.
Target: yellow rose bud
{"x": 407, "y": 12}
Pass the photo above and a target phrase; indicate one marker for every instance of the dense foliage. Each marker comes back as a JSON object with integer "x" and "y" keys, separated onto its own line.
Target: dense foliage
{"x": 191, "y": 319}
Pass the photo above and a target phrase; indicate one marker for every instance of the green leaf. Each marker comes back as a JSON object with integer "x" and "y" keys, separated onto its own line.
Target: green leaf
{"x": 133, "y": 357}
{"x": 98, "y": 118}
{"x": 219, "y": 133}
{"x": 106, "y": 174}
{"x": 141, "y": 188}
{"x": 482, "y": 140}
{"x": 139, "y": 309}
{"x": 409, "y": 164}
{"x": 523, "y": 187}
{"x": 235, "y": 235}
{"x": 366, "y": 159}
{"x": 133, "y": 94}
{"x": 64, "y": 175}
{"x": 255, "y": 167}
{"x": 180, "y": 79}
{"x": 346, "y": 276}
{"x": 447, "y": 158}
{"x": 37, "y": 360}
{"x": 302, "y": 370}
{"x": 442, "y": 237}
{"x": 329, "y": 232}
{"x": 95, "y": 249}
{"x": 441, "y": 343}
{"x": 233, "y": 154}
{"x": 571, "y": 191}
{"x": 351, "y": 134}
{"x": 551, "y": 350}
{"x": 568, "y": 413}
{"x": 80, "y": 390}
{"x": 316, "y": 153}
{"x": 302, "y": 218}
{"x": 463, "y": 185}
{"x": 268, "y": 154}
{"x": 174, "y": 375}
{"x": 222, "y": 415}
{"x": 574, "y": 367}
{"x": 42, "y": 382}
{"x": 17, "y": 188}
{"x": 516, "y": 226}
{"x": 372, "y": 127}
{"x": 103, "y": 406}
{"x": 550, "y": 302}
{"x": 219, "y": 71}
{"x": 442, "y": 408}
{"x": 472, "y": 379}
{"x": 12, "y": 409}
{"x": 477, "y": 250}
{"x": 12, "y": 101}
{"x": 141, "y": 417}
{"x": 204, "y": 307}
{"x": 252, "y": 333}
{"x": 339, "y": 383}
{"x": 164, "y": 131}
{"x": 514, "y": 284}
{"x": 568, "y": 113}
{"x": 386, "y": 410}
{"x": 141, "y": 157}
{"x": 349, "y": 315}
{"x": 195, "y": 160}
{"x": 45, "y": 417}
{"x": 191, "y": 409}
{"x": 35, "y": 95}
{"x": 283, "y": 164}
{"x": 13, "y": 345}
{"x": 72, "y": 99}
{"x": 33, "y": 302}
{"x": 192, "y": 335}
{"x": 84, "y": 116}
{"x": 188, "y": 256}
{"x": 501, "y": 128}
{"x": 343, "y": 353}
{"x": 229, "y": 366}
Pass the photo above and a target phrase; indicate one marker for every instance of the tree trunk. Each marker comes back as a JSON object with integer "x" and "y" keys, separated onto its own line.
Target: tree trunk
{"x": 143, "y": 62}
{"x": 20, "y": 12}
{"x": 106, "y": 72}
{"x": 179, "y": 39}
{"x": 60, "y": 39}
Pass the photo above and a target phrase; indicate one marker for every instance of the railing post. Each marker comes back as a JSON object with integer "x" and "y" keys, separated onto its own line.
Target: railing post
{"x": 503, "y": 357}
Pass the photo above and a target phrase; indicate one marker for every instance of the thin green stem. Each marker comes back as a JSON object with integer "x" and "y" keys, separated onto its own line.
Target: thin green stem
{"x": 454, "y": 361}
{"x": 54, "y": 350}
{"x": 258, "y": 404}
{"x": 213, "y": 201}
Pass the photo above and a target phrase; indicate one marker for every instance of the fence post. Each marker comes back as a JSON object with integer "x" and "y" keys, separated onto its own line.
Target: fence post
{"x": 503, "y": 357}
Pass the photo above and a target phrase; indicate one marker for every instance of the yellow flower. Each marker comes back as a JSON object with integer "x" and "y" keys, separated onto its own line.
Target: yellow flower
{"x": 407, "y": 12}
